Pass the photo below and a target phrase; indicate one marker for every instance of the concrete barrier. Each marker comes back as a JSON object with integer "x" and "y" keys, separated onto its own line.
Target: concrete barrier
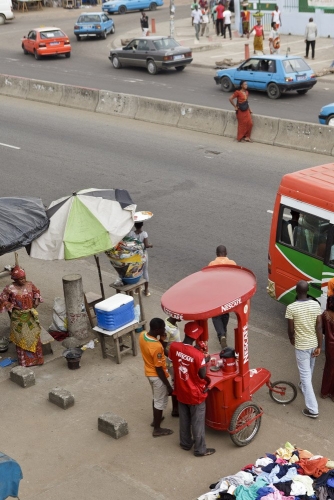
{"x": 14, "y": 86}
{"x": 305, "y": 137}
{"x": 231, "y": 125}
{"x": 112, "y": 103}
{"x": 79, "y": 98}
{"x": 202, "y": 119}
{"x": 265, "y": 129}
{"x": 45, "y": 92}
{"x": 158, "y": 111}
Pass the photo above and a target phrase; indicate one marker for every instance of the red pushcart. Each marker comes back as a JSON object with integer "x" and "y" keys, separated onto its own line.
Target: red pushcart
{"x": 210, "y": 292}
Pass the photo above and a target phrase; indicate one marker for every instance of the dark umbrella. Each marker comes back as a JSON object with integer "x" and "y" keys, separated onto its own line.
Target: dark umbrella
{"x": 21, "y": 221}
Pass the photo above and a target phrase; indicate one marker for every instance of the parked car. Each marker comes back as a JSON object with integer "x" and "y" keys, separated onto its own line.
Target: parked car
{"x": 6, "y": 11}
{"x": 152, "y": 52}
{"x": 274, "y": 74}
{"x": 96, "y": 24}
{"x": 123, "y": 6}
{"x": 326, "y": 116}
{"x": 45, "y": 42}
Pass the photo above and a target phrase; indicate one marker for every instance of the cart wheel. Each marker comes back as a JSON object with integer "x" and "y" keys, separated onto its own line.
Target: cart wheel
{"x": 245, "y": 412}
{"x": 283, "y": 392}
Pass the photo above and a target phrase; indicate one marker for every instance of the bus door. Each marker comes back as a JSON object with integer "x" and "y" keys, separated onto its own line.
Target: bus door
{"x": 302, "y": 250}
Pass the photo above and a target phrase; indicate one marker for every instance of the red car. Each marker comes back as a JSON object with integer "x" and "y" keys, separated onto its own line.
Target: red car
{"x": 46, "y": 42}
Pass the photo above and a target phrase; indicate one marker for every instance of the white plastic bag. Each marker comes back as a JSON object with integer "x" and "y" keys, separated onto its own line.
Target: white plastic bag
{"x": 59, "y": 319}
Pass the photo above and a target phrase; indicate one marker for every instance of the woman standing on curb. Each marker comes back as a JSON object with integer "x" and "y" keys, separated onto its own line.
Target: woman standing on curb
{"x": 243, "y": 112}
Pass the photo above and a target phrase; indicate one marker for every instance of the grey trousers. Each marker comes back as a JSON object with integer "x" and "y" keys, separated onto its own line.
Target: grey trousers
{"x": 192, "y": 427}
{"x": 220, "y": 324}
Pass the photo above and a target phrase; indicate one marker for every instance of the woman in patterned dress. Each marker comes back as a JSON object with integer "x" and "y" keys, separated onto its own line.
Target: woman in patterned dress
{"x": 243, "y": 112}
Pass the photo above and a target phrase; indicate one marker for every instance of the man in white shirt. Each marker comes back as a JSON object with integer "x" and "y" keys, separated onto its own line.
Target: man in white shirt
{"x": 311, "y": 33}
{"x": 227, "y": 22}
{"x": 276, "y": 17}
{"x": 197, "y": 16}
{"x": 274, "y": 40}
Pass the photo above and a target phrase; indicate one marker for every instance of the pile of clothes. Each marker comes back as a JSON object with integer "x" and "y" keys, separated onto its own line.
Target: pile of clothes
{"x": 291, "y": 473}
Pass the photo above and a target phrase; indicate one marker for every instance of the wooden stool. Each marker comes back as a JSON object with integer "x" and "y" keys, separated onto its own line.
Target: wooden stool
{"x": 91, "y": 299}
{"x": 129, "y": 290}
{"x": 116, "y": 337}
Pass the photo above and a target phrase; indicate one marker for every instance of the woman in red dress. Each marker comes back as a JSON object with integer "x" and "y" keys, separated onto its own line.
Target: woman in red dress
{"x": 243, "y": 112}
{"x": 327, "y": 386}
{"x": 20, "y": 299}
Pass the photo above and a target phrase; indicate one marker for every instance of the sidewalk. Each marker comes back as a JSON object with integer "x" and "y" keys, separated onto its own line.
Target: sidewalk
{"x": 211, "y": 51}
{"x": 62, "y": 453}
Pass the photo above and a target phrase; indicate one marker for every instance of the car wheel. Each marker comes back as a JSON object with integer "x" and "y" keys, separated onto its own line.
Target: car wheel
{"x": 226, "y": 84}
{"x": 112, "y": 31}
{"x": 24, "y": 50}
{"x": 330, "y": 120}
{"x": 78, "y": 38}
{"x": 153, "y": 6}
{"x": 151, "y": 67}
{"x": 37, "y": 56}
{"x": 302, "y": 92}
{"x": 116, "y": 62}
{"x": 104, "y": 35}
{"x": 68, "y": 54}
{"x": 273, "y": 91}
{"x": 122, "y": 9}
{"x": 180, "y": 68}
{"x": 2, "y": 19}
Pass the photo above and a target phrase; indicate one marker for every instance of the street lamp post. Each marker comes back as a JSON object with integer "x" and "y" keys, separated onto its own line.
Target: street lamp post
{"x": 171, "y": 17}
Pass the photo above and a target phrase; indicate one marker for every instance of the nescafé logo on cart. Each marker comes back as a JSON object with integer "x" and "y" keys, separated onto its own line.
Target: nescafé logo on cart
{"x": 173, "y": 314}
{"x": 230, "y": 305}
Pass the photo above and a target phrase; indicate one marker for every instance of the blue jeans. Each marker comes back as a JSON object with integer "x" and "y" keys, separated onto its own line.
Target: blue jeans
{"x": 305, "y": 363}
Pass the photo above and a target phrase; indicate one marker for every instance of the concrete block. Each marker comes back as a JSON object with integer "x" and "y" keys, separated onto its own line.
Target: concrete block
{"x": 22, "y": 376}
{"x": 265, "y": 129}
{"x": 113, "y": 425}
{"x": 44, "y": 92}
{"x": 305, "y": 137}
{"x": 158, "y": 111}
{"x": 14, "y": 86}
{"x": 113, "y": 103}
{"x": 231, "y": 128}
{"x": 202, "y": 119}
{"x": 79, "y": 97}
{"x": 62, "y": 398}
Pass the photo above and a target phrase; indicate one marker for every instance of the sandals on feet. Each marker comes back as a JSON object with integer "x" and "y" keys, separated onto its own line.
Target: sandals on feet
{"x": 162, "y": 432}
{"x": 209, "y": 451}
{"x": 147, "y": 294}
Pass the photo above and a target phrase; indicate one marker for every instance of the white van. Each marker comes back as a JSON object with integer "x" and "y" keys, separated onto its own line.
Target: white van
{"x": 6, "y": 11}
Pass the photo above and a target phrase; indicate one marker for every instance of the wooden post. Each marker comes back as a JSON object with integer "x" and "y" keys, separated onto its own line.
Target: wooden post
{"x": 246, "y": 50}
{"x": 153, "y": 26}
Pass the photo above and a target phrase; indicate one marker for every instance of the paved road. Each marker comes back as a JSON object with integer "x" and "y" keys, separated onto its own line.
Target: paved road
{"x": 89, "y": 66}
{"x": 203, "y": 190}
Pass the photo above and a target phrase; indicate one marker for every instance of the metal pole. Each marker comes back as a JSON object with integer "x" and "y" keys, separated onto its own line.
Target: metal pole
{"x": 77, "y": 323}
{"x": 171, "y": 18}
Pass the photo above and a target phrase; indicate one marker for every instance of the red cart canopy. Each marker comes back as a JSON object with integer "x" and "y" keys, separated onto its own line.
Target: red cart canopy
{"x": 212, "y": 291}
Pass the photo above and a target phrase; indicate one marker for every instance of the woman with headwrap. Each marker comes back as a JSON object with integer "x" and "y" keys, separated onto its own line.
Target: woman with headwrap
{"x": 327, "y": 386}
{"x": 20, "y": 299}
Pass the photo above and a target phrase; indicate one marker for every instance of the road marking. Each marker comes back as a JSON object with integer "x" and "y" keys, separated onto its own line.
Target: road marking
{"x": 270, "y": 212}
{"x": 9, "y": 146}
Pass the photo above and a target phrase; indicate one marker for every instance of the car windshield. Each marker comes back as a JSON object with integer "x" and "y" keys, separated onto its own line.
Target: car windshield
{"x": 165, "y": 43}
{"x": 295, "y": 65}
{"x": 52, "y": 34}
{"x": 89, "y": 19}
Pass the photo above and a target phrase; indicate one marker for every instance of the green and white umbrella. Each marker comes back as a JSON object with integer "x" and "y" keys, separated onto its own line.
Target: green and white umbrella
{"x": 86, "y": 223}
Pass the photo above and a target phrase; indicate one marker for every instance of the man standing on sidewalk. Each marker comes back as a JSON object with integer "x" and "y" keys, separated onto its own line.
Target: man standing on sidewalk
{"x": 227, "y": 21}
{"x": 144, "y": 23}
{"x": 220, "y": 18}
{"x": 276, "y": 17}
{"x": 190, "y": 385}
{"x": 220, "y": 322}
{"x": 305, "y": 334}
{"x": 197, "y": 16}
{"x": 311, "y": 33}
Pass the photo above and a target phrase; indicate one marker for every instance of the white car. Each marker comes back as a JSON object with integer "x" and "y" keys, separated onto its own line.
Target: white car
{"x": 6, "y": 11}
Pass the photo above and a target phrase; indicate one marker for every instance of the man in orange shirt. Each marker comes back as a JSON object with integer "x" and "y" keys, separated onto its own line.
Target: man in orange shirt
{"x": 152, "y": 351}
{"x": 220, "y": 322}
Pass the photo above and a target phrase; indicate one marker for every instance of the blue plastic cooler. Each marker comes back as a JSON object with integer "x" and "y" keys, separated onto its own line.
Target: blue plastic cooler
{"x": 115, "y": 312}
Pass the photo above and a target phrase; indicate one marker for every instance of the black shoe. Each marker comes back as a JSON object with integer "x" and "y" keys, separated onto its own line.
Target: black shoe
{"x": 307, "y": 413}
{"x": 209, "y": 451}
{"x": 223, "y": 342}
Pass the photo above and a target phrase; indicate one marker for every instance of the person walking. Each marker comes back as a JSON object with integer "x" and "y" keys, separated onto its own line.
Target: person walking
{"x": 305, "y": 334}
{"x": 205, "y": 21}
{"x": 144, "y": 23}
{"x": 259, "y": 36}
{"x": 276, "y": 17}
{"x": 142, "y": 236}
{"x": 156, "y": 372}
{"x": 197, "y": 19}
{"x": 172, "y": 335}
{"x": 311, "y": 33}
{"x": 220, "y": 322}
{"x": 220, "y": 18}
{"x": 243, "y": 112}
{"x": 274, "y": 40}
{"x": 245, "y": 19}
{"x": 190, "y": 389}
{"x": 327, "y": 385}
{"x": 227, "y": 22}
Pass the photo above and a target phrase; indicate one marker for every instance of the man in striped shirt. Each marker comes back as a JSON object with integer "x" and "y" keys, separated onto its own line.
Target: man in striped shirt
{"x": 305, "y": 334}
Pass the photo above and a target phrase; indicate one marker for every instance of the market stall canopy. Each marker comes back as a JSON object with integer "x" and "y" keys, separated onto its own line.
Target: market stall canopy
{"x": 21, "y": 221}
{"x": 210, "y": 292}
{"x": 86, "y": 223}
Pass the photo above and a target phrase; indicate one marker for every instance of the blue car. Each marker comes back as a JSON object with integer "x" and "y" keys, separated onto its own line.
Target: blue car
{"x": 123, "y": 6}
{"x": 326, "y": 116}
{"x": 273, "y": 74}
{"x": 96, "y": 24}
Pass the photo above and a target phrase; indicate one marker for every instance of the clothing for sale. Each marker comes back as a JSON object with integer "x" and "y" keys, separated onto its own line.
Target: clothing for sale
{"x": 322, "y": 480}
{"x": 306, "y": 481}
{"x": 262, "y": 462}
{"x": 314, "y": 467}
{"x": 285, "y": 487}
{"x": 249, "y": 492}
{"x": 278, "y": 473}
{"x": 277, "y": 495}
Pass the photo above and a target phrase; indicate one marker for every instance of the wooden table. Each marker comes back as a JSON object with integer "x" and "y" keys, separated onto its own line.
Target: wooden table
{"x": 129, "y": 290}
{"x": 116, "y": 337}
{"x": 24, "y": 6}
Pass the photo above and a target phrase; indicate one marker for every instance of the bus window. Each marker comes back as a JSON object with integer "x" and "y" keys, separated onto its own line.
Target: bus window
{"x": 305, "y": 232}
{"x": 331, "y": 248}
